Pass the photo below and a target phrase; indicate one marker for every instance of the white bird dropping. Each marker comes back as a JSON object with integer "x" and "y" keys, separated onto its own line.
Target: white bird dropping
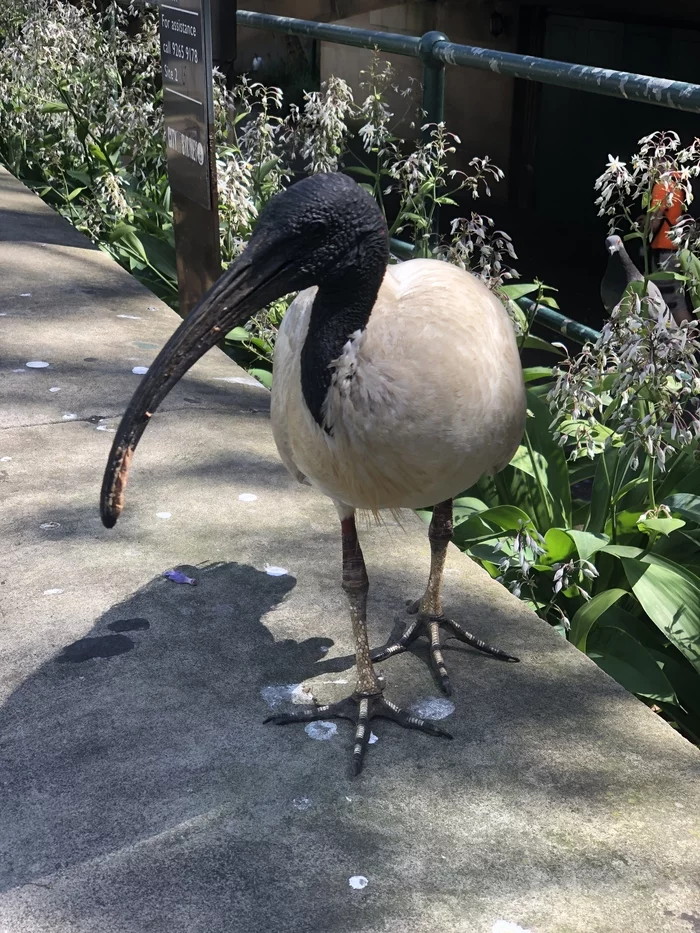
{"x": 321, "y": 730}
{"x": 433, "y": 708}
{"x": 358, "y": 882}
{"x": 273, "y": 571}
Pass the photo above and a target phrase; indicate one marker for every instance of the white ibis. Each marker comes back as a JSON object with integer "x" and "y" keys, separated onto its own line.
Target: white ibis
{"x": 394, "y": 387}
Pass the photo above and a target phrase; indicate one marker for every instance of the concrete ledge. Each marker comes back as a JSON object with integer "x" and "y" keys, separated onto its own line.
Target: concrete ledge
{"x": 140, "y": 791}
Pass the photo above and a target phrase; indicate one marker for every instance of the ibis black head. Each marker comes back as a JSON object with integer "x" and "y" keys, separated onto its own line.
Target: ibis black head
{"x": 321, "y": 231}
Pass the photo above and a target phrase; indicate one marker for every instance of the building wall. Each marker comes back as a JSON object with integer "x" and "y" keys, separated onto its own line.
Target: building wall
{"x": 276, "y": 50}
{"x": 478, "y": 104}
{"x": 349, "y": 63}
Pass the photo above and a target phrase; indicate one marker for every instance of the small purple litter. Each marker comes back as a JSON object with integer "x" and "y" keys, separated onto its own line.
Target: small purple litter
{"x": 178, "y": 577}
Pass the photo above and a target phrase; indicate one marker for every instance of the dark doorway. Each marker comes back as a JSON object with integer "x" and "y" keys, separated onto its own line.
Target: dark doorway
{"x": 575, "y": 131}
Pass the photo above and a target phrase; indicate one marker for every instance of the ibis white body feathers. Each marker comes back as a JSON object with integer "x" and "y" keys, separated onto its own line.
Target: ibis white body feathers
{"x": 423, "y": 401}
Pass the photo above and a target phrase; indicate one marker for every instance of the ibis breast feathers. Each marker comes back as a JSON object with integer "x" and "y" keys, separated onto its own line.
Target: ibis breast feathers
{"x": 423, "y": 401}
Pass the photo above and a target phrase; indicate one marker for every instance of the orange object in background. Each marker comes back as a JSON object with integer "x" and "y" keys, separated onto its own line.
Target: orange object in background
{"x": 671, "y": 213}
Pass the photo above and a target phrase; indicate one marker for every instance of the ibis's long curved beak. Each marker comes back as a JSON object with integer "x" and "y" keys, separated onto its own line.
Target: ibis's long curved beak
{"x": 250, "y": 283}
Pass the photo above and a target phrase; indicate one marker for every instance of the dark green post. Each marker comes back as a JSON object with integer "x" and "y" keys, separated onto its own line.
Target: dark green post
{"x": 433, "y": 93}
{"x": 433, "y": 78}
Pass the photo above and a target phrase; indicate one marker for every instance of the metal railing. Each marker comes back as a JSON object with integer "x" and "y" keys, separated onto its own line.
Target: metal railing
{"x": 436, "y": 52}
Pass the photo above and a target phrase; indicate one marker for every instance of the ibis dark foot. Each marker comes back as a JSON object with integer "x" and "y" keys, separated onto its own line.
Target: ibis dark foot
{"x": 430, "y": 626}
{"x": 361, "y": 710}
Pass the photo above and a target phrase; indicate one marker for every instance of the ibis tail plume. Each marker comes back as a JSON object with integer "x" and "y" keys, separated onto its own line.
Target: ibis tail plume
{"x": 394, "y": 387}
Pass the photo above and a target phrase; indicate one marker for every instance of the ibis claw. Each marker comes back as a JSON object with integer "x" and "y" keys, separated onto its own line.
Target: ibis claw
{"x": 430, "y": 626}
{"x": 361, "y": 710}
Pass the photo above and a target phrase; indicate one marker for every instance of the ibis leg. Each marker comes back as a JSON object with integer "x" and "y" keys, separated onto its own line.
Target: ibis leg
{"x": 367, "y": 702}
{"x": 429, "y": 617}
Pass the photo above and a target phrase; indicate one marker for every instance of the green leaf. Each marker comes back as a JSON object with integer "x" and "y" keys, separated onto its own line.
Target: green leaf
{"x": 621, "y": 656}
{"x": 481, "y": 524}
{"x": 670, "y": 595}
{"x": 98, "y": 153}
{"x": 589, "y": 613}
{"x": 487, "y": 554}
{"x": 262, "y": 375}
{"x": 420, "y": 222}
{"x": 238, "y": 333}
{"x": 581, "y": 469}
{"x": 74, "y": 193}
{"x": 558, "y": 546}
{"x": 465, "y": 507}
{"x": 507, "y": 517}
{"x": 125, "y": 235}
{"x": 469, "y": 502}
{"x": 360, "y": 170}
{"x": 82, "y": 178}
{"x": 556, "y": 475}
{"x": 533, "y": 373}
{"x": 537, "y": 343}
{"x": 267, "y": 167}
{"x": 684, "y": 679}
{"x": 683, "y": 475}
{"x": 587, "y": 543}
{"x": 664, "y": 276}
{"x": 522, "y": 461}
{"x": 687, "y": 504}
{"x": 161, "y": 255}
{"x": 602, "y": 491}
{"x": 519, "y": 290}
{"x": 53, "y": 106}
{"x": 623, "y": 550}
{"x": 598, "y": 432}
{"x": 82, "y": 129}
{"x": 661, "y": 526}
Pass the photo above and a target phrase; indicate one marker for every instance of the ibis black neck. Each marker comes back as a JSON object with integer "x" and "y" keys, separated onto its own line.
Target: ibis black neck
{"x": 342, "y": 307}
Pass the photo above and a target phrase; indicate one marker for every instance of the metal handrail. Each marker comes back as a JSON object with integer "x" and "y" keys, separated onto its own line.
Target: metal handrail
{"x": 436, "y": 51}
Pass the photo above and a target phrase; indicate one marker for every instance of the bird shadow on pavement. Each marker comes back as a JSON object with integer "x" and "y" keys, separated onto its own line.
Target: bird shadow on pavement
{"x": 128, "y": 730}
{"x": 152, "y": 717}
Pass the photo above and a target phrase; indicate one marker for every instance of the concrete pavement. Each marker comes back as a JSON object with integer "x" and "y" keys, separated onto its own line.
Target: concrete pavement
{"x": 139, "y": 790}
